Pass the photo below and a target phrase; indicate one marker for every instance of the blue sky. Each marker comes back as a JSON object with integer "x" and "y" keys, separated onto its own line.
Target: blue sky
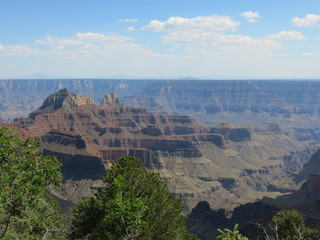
{"x": 209, "y": 39}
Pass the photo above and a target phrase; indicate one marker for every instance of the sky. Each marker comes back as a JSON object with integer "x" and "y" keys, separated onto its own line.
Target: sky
{"x": 205, "y": 39}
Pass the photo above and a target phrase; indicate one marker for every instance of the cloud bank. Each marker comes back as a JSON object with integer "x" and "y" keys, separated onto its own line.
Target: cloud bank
{"x": 201, "y": 23}
{"x": 310, "y": 20}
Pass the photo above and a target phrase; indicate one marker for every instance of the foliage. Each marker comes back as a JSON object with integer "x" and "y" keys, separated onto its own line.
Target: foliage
{"x": 135, "y": 204}
{"x": 289, "y": 225}
{"x": 228, "y": 234}
{"x": 26, "y": 211}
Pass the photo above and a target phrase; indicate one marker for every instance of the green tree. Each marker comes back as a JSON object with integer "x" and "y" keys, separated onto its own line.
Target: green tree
{"x": 231, "y": 234}
{"x": 135, "y": 204}
{"x": 289, "y": 225}
{"x": 26, "y": 210}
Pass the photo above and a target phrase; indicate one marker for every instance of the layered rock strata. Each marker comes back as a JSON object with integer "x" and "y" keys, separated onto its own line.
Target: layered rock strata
{"x": 199, "y": 162}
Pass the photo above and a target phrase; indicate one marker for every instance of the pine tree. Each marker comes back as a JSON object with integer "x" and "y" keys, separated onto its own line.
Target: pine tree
{"x": 135, "y": 204}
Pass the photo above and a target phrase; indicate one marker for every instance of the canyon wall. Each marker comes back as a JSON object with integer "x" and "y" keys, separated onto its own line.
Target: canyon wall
{"x": 239, "y": 102}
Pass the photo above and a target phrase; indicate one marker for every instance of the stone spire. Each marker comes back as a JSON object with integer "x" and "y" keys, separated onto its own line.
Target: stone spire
{"x": 112, "y": 100}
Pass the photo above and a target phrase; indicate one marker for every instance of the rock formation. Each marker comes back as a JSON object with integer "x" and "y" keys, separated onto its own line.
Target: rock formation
{"x": 199, "y": 162}
{"x": 204, "y": 221}
{"x": 288, "y": 103}
{"x": 62, "y": 100}
{"x": 310, "y": 168}
{"x": 310, "y": 190}
{"x": 251, "y": 217}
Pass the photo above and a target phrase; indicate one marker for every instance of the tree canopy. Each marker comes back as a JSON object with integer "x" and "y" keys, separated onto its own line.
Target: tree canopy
{"x": 26, "y": 210}
{"x": 289, "y": 224}
{"x": 134, "y": 204}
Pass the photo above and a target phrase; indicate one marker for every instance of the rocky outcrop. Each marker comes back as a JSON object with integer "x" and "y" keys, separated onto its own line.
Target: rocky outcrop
{"x": 204, "y": 221}
{"x": 112, "y": 100}
{"x": 148, "y": 158}
{"x": 268, "y": 127}
{"x": 77, "y": 167}
{"x": 64, "y": 139}
{"x": 310, "y": 168}
{"x": 62, "y": 100}
{"x": 11, "y": 125}
{"x": 305, "y": 134}
{"x": 216, "y": 139}
{"x": 310, "y": 190}
{"x": 236, "y": 134}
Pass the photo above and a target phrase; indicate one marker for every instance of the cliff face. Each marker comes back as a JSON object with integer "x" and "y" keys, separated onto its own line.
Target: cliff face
{"x": 310, "y": 168}
{"x": 310, "y": 190}
{"x": 236, "y": 134}
{"x": 77, "y": 166}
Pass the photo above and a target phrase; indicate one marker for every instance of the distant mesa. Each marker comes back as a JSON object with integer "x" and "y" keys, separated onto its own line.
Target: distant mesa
{"x": 188, "y": 78}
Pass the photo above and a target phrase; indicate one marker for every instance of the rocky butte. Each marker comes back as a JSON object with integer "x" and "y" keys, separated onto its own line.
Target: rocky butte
{"x": 224, "y": 165}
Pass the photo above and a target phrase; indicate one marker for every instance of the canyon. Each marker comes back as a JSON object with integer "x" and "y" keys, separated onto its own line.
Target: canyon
{"x": 244, "y": 102}
{"x": 219, "y": 144}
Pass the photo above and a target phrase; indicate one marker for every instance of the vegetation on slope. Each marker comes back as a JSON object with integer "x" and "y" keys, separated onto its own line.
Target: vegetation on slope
{"x": 26, "y": 210}
{"x": 135, "y": 204}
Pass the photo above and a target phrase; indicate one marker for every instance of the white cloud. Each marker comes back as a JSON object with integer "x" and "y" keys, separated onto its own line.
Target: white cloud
{"x": 310, "y": 20}
{"x": 19, "y": 50}
{"x": 131, "y": 20}
{"x": 250, "y": 16}
{"x": 78, "y": 46}
{"x": 100, "y": 37}
{"x": 222, "y": 44}
{"x": 130, "y": 29}
{"x": 51, "y": 40}
{"x": 201, "y": 23}
{"x": 309, "y": 54}
{"x": 286, "y": 35}
{"x": 204, "y": 34}
{"x": 252, "y": 20}
{"x": 98, "y": 55}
